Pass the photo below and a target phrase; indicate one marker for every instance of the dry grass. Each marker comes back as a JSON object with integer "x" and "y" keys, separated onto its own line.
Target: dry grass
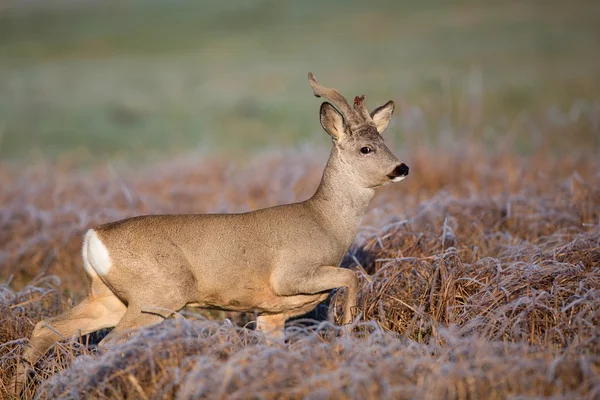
{"x": 479, "y": 277}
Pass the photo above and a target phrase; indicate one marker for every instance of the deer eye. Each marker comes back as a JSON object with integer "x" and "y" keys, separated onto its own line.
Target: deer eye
{"x": 366, "y": 150}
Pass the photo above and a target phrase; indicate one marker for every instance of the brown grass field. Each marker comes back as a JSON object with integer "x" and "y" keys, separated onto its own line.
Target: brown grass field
{"x": 479, "y": 279}
{"x": 479, "y": 274}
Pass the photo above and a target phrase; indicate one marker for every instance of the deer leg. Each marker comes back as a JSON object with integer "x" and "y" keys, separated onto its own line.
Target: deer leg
{"x": 137, "y": 317}
{"x": 272, "y": 325}
{"x": 100, "y": 309}
{"x": 322, "y": 279}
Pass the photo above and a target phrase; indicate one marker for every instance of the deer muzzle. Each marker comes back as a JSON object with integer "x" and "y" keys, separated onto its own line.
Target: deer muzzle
{"x": 399, "y": 173}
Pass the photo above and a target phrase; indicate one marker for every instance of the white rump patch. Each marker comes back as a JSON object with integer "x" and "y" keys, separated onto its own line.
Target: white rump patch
{"x": 398, "y": 178}
{"x": 96, "y": 259}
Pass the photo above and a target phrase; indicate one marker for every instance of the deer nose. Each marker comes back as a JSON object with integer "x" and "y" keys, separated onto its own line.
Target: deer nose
{"x": 401, "y": 170}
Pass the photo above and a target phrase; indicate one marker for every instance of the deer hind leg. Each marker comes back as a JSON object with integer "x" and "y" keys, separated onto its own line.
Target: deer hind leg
{"x": 137, "y": 317}
{"x": 100, "y": 309}
{"x": 323, "y": 279}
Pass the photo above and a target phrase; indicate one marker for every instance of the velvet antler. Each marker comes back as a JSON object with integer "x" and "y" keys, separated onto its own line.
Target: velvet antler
{"x": 351, "y": 115}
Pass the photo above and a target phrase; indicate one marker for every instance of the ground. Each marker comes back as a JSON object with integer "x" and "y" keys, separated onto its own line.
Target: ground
{"x": 479, "y": 274}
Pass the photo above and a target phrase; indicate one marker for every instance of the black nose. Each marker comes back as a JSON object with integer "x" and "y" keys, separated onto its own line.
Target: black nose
{"x": 401, "y": 170}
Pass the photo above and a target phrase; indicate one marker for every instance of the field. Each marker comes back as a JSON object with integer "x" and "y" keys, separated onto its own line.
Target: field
{"x": 479, "y": 274}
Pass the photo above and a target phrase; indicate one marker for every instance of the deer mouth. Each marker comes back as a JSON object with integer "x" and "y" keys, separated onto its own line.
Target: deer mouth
{"x": 399, "y": 173}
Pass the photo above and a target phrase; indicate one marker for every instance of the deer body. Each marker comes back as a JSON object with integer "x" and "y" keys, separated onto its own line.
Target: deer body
{"x": 278, "y": 262}
{"x": 228, "y": 261}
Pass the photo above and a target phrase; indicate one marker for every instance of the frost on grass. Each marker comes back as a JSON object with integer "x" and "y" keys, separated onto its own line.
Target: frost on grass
{"x": 207, "y": 359}
{"x": 479, "y": 278}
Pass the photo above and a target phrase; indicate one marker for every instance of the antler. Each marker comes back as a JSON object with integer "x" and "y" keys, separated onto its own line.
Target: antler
{"x": 361, "y": 108}
{"x": 354, "y": 116}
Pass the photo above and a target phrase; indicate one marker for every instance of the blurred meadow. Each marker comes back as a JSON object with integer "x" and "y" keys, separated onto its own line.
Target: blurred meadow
{"x": 479, "y": 274}
{"x": 138, "y": 80}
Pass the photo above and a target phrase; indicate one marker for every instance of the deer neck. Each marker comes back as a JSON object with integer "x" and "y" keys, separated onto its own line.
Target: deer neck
{"x": 340, "y": 202}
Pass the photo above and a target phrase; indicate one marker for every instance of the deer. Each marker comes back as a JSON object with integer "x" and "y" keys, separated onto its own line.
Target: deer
{"x": 277, "y": 262}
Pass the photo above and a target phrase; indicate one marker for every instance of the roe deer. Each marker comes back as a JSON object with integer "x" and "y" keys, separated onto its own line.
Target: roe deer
{"x": 278, "y": 262}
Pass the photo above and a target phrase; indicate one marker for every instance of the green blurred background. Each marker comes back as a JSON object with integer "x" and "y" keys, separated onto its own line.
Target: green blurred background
{"x": 141, "y": 80}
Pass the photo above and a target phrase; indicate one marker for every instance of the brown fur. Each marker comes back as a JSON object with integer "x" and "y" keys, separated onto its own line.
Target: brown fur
{"x": 278, "y": 262}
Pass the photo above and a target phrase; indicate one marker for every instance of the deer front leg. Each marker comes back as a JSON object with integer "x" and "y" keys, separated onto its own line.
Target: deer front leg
{"x": 320, "y": 280}
{"x": 273, "y": 326}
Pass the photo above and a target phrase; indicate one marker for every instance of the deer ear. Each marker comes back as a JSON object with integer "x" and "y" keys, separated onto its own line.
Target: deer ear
{"x": 332, "y": 121}
{"x": 382, "y": 115}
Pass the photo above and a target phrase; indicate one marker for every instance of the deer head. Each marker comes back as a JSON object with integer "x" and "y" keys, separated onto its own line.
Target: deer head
{"x": 356, "y": 135}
